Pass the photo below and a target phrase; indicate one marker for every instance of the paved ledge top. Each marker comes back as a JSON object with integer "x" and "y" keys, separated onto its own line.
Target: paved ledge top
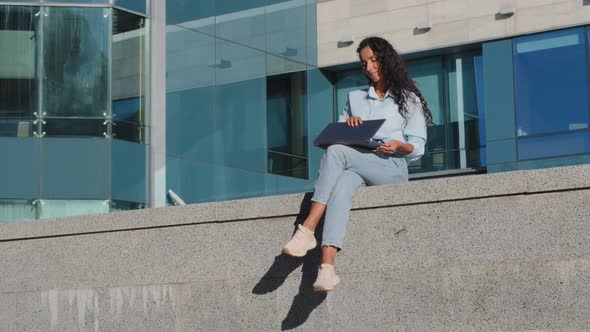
{"x": 416, "y": 192}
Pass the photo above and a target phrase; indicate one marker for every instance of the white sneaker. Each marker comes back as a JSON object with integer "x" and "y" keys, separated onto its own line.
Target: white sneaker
{"x": 301, "y": 242}
{"x": 327, "y": 279}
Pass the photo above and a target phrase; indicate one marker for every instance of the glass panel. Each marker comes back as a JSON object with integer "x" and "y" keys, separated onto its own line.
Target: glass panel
{"x": 194, "y": 182}
{"x": 472, "y": 159}
{"x": 430, "y": 162}
{"x": 11, "y": 211}
{"x": 129, "y": 63}
{"x": 19, "y": 169}
{"x": 75, "y": 168}
{"x": 501, "y": 151}
{"x": 551, "y": 76}
{"x": 67, "y": 127}
{"x": 240, "y": 128}
{"x": 429, "y": 78}
{"x": 19, "y": 82}
{"x": 320, "y": 98}
{"x": 277, "y": 65}
{"x": 241, "y": 22}
{"x": 312, "y": 40}
{"x": 554, "y": 145}
{"x": 240, "y": 116}
{"x": 497, "y": 63}
{"x": 75, "y": 61}
{"x": 190, "y": 124}
{"x": 463, "y": 115}
{"x": 554, "y": 162}
{"x": 237, "y": 63}
{"x": 126, "y": 206}
{"x": 58, "y": 208}
{"x": 129, "y": 131}
{"x": 17, "y": 127}
{"x": 196, "y": 15}
{"x": 134, "y": 5}
{"x": 286, "y": 29}
{"x": 235, "y": 183}
{"x": 286, "y": 123}
{"x": 479, "y": 85}
{"x": 190, "y": 59}
{"x": 79, "y": 1}
{"x": 129, "y": 173}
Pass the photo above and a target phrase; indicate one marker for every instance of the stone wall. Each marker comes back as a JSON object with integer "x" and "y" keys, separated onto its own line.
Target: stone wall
{"x": 453, "y": 22}
{"x": 506, "y": 251}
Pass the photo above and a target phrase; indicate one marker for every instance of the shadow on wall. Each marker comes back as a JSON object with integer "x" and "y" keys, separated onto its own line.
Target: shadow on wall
{"x": 307, "y": 299}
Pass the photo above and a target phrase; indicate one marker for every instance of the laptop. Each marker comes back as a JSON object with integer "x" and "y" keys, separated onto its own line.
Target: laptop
{"x": 342, "y": 133}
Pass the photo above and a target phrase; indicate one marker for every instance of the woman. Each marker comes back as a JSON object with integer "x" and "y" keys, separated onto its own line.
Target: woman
{"x": 392, "y": 95}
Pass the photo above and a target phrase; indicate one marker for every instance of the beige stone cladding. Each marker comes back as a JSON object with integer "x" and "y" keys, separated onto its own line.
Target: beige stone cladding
{"x": 452, "y": 22}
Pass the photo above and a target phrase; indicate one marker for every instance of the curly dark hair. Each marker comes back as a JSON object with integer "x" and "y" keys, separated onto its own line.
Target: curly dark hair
{"x": 393, "y": 70}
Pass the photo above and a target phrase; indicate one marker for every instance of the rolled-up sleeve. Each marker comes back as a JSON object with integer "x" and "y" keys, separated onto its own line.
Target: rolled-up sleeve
{"x": 415, "y": 131}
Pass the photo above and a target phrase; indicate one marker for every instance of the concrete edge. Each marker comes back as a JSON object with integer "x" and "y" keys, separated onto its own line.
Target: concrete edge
{"x": 415, "y": 192}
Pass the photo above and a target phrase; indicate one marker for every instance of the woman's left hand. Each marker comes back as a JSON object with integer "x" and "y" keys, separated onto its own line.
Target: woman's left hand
{"x": 390, "y": 147}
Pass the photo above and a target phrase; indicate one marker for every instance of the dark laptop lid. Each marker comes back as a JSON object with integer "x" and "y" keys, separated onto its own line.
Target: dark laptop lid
{"x": 342, "y": 133}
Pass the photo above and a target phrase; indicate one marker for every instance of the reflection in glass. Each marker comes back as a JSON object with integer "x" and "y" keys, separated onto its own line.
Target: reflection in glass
{"x": 241, "y": 22}
{"x": 429, "y": 78}
{"x": 190, "y": 59}
{"x": 463, "y": 113}
{"x": 129, "y": 65}
{"x": 286, "y": 29}
{"x": 19, "y": 28}
{"x": 125, "y": 206}
{"x": 286, "y": 123}
{"x": 551, "y": 82}
{"x": 196, "y": 15}
{"x": 68, "y": 127}
{"x": 75, "y": 61}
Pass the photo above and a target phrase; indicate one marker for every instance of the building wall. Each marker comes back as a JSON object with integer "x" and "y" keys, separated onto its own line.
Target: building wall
{"x": 453, "y": 22}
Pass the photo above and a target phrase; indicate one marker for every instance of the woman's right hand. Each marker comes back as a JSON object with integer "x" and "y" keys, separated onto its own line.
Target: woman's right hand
{"x": 354, "y": 121}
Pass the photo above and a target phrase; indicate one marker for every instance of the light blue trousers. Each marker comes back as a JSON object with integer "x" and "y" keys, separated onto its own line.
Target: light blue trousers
{"x": 342, "y": 171}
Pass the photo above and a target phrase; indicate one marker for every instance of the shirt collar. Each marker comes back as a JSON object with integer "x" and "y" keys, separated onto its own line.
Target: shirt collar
{"x": 373, "y": 94}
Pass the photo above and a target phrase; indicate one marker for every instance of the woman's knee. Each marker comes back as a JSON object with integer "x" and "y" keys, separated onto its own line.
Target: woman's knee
{"x": 336, "y": 149}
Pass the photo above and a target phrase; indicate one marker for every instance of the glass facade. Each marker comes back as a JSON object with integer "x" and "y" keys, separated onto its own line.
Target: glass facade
{"x": 537, "y": 100}
{"x": 72, "y": 110}
{"x": 237, "y": 106}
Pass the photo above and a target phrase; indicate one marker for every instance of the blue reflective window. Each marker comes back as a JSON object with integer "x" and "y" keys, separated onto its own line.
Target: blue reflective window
{"x": 551, "y": 82}
{"x": 554, "y": 145}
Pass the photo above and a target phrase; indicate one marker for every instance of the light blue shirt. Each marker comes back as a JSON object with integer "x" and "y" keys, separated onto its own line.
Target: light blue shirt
{"x": 368, "y": 106}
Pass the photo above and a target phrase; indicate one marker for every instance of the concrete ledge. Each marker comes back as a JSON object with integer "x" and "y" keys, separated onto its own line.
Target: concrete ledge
{"x": 512, "y": 260}
{"x": 415, "y": 192}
